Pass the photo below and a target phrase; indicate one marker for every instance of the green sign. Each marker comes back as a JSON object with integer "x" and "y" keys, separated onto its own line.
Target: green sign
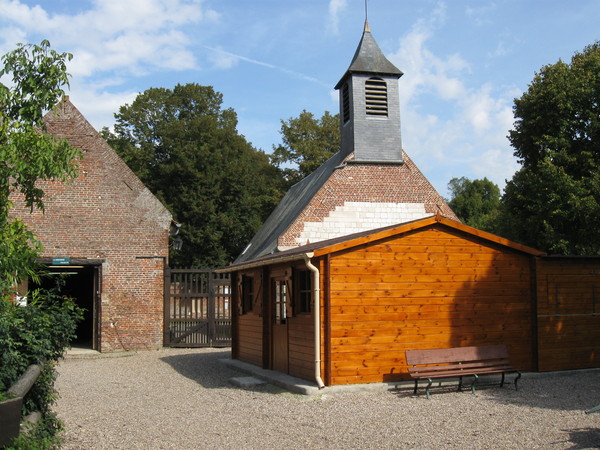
{"x": 61, "y": 261}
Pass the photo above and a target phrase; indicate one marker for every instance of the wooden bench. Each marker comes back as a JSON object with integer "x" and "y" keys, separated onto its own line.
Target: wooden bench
{"x": 458, "y": 362}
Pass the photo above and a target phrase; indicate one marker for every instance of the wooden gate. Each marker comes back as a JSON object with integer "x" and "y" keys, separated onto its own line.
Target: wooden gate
{"x": 197, "y": 308}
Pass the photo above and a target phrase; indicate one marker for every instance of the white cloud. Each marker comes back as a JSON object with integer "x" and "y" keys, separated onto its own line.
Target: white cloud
{"x": 480, "y": 15}
{"x": 97, "y": 105}
{"x": 130, "y": 36}
{"x": 110, "y": 41}
{"x": 471, "y": 141}
{"x": 335, "y": 8}
{"x": 423, "y": 70}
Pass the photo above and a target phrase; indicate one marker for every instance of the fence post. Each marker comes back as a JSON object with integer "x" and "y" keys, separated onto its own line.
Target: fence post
{"x": 167, "y": 308}
{"x": 211, "y": 307}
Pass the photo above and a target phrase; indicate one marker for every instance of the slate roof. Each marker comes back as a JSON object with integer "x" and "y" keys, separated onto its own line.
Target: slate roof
{"x": 369, "y": 59}
{"x": 292, "y": 204}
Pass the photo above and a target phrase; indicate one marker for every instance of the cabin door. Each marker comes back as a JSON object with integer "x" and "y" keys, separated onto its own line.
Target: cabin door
{"x": 279, "y": 318}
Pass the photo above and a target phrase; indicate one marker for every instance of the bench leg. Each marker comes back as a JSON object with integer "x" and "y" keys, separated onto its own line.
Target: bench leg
{"x": 502, "y": 382}
{"x": 517, "y": 379}
{"x": 459, "y": 384}
{"x": 475, "y": 378}
{"x": 427, "y": 388}
{"x": 416, "y": 387}
{"x": 593, "y": 410}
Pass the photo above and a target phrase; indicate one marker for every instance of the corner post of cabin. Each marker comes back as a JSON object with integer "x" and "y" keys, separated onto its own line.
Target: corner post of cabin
{"x": 235, "y": 300}
{"x": 534, "y": 313}
{"x": 327, "y": 319}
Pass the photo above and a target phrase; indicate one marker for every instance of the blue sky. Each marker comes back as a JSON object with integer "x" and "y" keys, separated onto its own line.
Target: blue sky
{"x": 464, "y": 61}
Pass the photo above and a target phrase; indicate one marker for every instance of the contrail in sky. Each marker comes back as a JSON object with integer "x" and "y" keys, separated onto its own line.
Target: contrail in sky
{"x": 269, "y": 66}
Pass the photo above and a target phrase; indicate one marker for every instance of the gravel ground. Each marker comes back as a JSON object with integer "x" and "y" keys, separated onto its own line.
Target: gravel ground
{"x": 181, "y": 398}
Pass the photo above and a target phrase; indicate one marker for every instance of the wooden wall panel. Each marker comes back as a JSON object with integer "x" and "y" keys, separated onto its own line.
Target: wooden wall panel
{"x": 433, "y": 288}
{"x": 568, "y": 313}
{"x": 301, "y": 346}
{"x": 250, "y": 338}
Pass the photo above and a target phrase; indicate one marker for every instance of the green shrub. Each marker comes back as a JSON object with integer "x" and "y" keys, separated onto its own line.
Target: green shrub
{"x": 37, "y": 333}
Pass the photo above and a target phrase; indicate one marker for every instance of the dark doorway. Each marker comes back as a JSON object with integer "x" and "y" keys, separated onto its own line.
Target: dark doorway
{"x": 81, "y": 284}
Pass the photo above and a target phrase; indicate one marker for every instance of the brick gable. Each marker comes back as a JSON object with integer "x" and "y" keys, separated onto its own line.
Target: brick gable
{"x": 107, "y": 215}
{"x": 378, "y": 186}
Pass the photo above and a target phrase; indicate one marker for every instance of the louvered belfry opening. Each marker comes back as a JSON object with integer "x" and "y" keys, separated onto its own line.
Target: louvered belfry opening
{"x": 346, "y": 103}
{"x": 376, "y": 97}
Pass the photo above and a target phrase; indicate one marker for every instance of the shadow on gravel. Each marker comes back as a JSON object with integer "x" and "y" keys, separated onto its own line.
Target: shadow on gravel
{"x": 445, "y": 387}
{"x": 563, "y": 391}
{"x": 582, "y": 438}
{"x": 204, "y": 368}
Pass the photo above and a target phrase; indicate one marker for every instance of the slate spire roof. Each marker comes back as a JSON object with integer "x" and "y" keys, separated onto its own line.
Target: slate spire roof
{"x": 370, "y": 59}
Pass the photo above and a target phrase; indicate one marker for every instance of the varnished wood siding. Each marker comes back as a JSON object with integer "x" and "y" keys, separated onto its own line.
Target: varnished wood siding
{"x": 250, "y": 338}
{"x": 249, "y": 327}
{"x": 301, "y": 346}
{"x": 432, "y": 288}
{"x": 568, "y": 313}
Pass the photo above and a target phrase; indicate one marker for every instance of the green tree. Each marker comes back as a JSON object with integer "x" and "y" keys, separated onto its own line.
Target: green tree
{"x": 38, "y": 75}
{"x": 187, "y": 150}
{"x": 307, "y": 143}
{"x": 553, "y": 201}
{"x": 40, "y": 331}
{"x": 476, "y": 202}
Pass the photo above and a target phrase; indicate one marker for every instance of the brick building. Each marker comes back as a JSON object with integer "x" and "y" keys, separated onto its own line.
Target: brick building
{"x": 108, "y": 236}
{"x": 369, "y": 183}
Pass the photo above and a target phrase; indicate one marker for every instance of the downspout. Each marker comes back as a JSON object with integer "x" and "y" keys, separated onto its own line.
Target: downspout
{"x": 317, "y": 317}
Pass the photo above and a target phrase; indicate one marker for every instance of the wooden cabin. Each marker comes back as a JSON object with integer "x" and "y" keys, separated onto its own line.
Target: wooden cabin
{"x": 363, "y": 260}
{"x": 431, "y": 283}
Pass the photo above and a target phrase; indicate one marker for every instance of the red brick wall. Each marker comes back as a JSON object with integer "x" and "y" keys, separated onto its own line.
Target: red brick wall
{"x": 107, "y": 214}
{"x": 377, "y": 183}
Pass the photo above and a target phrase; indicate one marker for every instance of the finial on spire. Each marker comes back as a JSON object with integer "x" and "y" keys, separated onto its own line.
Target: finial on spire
{"x": 367, "y": 29}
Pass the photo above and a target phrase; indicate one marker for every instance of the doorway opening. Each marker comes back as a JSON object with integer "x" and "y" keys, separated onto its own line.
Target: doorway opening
{"x": 81, "y": 283}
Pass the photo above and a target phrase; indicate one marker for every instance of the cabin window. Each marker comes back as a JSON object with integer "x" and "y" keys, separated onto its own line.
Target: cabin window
{"x": 376, "y": 98}
{"x": 345, "y": 103}
{"x": 303, "y": 299}
{"x": 281, "y": 302}
{"x": 247, "y": 294}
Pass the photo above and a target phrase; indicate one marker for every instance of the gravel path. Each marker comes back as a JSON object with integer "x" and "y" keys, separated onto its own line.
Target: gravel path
{"x": 181, "y": 399}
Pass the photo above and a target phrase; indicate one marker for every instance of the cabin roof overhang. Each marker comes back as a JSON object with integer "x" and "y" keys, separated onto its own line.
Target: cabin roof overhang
{"x": 366, "y": 237}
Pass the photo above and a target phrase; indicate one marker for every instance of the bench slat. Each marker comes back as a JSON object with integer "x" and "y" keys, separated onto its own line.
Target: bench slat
{"x": 449, "y": 355}
{"x": 460, "y": 367}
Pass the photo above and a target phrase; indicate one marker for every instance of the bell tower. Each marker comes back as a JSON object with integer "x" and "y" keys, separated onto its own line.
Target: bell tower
{"x": 370, "y": 105}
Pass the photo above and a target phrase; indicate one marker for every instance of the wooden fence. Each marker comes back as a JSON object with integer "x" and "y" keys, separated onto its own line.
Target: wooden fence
{"x": 197, "y": 308}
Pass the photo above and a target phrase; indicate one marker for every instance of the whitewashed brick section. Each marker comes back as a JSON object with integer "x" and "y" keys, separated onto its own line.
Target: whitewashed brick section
{"x": 354, "y": 217}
